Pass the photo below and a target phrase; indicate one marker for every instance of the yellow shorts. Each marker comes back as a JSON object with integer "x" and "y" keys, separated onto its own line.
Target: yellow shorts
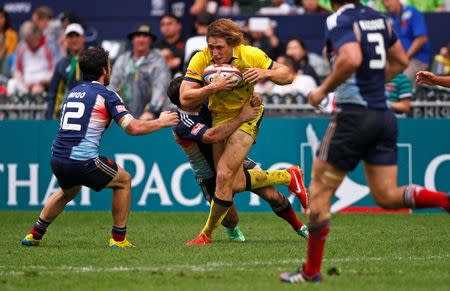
{"x": 250, "y": 127}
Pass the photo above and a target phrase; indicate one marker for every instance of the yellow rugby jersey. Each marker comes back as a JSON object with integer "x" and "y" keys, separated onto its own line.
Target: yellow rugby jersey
{"x": 230, "y": 101}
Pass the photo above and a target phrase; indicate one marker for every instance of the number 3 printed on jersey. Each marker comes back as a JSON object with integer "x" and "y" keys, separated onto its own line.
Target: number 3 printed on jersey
{"x": 73, "y": 115}
{"x": 379, "y": 50}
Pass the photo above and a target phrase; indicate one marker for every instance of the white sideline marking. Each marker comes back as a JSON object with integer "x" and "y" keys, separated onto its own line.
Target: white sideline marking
{"x": 22, "y": 270}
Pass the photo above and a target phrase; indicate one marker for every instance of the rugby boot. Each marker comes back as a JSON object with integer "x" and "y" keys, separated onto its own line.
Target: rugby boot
{"x": 201, "y": 239}
{"x": 297, "y": 186}
{"x": 235, "y": 234}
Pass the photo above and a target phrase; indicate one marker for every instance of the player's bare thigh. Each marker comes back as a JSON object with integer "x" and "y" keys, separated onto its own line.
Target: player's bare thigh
{"x": 236, "y": 149}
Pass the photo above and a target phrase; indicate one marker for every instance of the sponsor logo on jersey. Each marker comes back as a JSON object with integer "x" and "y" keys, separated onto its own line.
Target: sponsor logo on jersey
{"x": 120, "y": 108}
{"x": 197, "y": 128}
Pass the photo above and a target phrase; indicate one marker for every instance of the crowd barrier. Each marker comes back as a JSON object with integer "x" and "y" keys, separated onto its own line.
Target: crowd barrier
{"x": 162, "y": 179}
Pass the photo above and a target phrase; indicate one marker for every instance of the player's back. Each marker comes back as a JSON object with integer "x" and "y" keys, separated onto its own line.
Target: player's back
{"x": 355, "y": 22}
{"x": 85, "y": 115}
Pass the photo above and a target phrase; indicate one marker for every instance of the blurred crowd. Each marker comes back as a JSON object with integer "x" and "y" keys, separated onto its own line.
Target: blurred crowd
{"x": 40, "y": 61}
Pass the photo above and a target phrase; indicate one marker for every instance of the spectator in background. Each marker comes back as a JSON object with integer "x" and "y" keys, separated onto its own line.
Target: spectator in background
{"x": 197, "y": 42}
{"x": 186, "y": 11}
{"x": 428, "y": 5}
{"x": 441, "y": 62}
{"x": 265, "y": 39}
{"x": 172, "y": 44}
{"x": 67, "y": 71}
{"x": 374, "y": 4}
{"x": 399, "y": 94}
{"x": 63, "y": 20}
{"x": 295, "y": 92}
{"x": 277, "y": 7}
{"x": 8, "y": 43}
{"x": 312, "y": 6}
{"x": 296, "y": 49}
{"x": 34, "y": 63}
{"x": 141, "y": 75}
{"x": 43, "y": 18}
{"x": 409, "y": 24}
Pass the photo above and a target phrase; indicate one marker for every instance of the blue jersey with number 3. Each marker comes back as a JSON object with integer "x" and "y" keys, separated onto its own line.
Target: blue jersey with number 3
{"x": 86, "y": 112}
{"x": 359, "y": 23}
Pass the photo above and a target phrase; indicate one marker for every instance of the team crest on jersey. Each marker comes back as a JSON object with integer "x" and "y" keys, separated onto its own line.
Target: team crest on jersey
{"x": 197, "y": 128}
{"x": 120, "y": 108}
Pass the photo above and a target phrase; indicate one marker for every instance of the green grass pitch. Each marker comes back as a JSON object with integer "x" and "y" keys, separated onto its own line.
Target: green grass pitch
{"x": 371, "y": 252}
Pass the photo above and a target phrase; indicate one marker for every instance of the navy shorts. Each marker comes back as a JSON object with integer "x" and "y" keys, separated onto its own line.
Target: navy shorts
{"x": 357, "y": 133}
{"x": 208, "y": 186}
{"x": 95, "y": 173}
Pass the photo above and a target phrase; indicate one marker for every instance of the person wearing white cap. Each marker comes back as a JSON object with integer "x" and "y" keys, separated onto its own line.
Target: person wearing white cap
{"x": 67, "y": 72}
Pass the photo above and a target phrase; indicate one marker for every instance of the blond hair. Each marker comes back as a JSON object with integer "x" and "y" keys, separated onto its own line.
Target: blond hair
{"x": 227, "y": 29}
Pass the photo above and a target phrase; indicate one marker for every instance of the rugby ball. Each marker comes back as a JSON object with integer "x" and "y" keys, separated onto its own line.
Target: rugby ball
{"x": 211, "y": 72}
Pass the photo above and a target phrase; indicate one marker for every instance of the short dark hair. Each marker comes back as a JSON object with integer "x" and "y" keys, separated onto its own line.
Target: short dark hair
{"x": 173, "y": 91}
{"x": 92, "y": 61}
{"x": 343, "y": 1}
{"x": 170, "y": 15}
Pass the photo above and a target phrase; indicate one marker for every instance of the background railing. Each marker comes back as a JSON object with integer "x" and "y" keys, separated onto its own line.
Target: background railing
{"x": 427, "y": 102}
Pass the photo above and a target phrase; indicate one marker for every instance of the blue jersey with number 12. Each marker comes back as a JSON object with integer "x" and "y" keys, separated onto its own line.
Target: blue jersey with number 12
{"x": 359, "y": 23}
{"x": 86, "y": 112}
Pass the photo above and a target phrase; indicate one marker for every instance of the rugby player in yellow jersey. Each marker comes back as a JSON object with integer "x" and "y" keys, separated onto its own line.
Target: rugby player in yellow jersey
{"x": 224, "y": 39}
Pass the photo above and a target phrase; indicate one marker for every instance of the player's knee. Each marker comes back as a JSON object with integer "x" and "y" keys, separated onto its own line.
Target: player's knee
{"x": 387, "y": 198}
{"x": 319, "y": 215}
{"x": 127, "y": 178}
{"x": 224, "y": 175}
{"x": 124, "y": 179}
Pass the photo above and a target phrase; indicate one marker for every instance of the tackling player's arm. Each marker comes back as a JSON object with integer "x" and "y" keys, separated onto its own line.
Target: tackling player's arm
{"x": 348, "y": 59}
{"x": 223, "y": 131}
{"x": 192, "y": 94}
{"x": 140, "y": 127}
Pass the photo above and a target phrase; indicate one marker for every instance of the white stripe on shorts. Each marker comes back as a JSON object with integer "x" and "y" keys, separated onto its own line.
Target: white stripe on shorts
{"x": 325, "y": 146}
{"x": 105, "y": 168}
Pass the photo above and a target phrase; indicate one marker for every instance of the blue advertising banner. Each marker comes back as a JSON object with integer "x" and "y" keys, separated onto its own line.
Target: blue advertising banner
{"x": 163, "y": 181}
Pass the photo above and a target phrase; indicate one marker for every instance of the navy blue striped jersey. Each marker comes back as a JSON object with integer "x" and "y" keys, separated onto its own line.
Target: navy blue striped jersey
{"x": 86, "y": 112}
{"x": 188, "y": 133}
{"x": 359, "y": 23}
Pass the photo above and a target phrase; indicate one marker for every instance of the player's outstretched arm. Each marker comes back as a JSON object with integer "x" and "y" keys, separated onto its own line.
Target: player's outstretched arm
{"x": 192, "y": 94}
{"x": 221, "y": 132}
{"x": 397, "y": 61}
{"x": 428, "y": 78}
{"x": 279, "y": 74}
{"x": 140, "y": 127}
{"x": 348, "y": 60}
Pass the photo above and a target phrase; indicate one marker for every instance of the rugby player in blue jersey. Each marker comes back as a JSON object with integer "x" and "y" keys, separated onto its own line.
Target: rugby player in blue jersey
{"x": 86, "y": 112}
{"x": 365, "y": 53}
{"x": 195, "y": 135}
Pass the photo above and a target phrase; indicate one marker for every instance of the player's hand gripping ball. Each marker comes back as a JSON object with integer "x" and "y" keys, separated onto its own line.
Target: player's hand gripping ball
{"x": 212, "y": 70}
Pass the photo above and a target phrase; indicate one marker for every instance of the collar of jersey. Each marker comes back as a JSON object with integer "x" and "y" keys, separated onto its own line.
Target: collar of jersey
{"x": 188, "y": 112}
{"x": 345, "y": 7}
